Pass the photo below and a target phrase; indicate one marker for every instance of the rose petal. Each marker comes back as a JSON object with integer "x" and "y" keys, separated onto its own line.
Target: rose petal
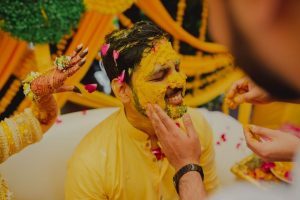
{"x": 104, "y": 49}
{"x": 157, "y": 152}
{"x": 266, "y": 166}
{"x": 121, "y": 77}
{"x": 115, "y": 54}
{"x": 91, "y": 87}
{"x": 84, "y": 112}
{"x": 223, "y": 137}
{"x": 58, "y": 120}
{"x": 288, "y": 175}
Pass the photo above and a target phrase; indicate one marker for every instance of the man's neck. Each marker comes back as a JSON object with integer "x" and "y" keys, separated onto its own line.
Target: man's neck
{"x": 139, "y": 121}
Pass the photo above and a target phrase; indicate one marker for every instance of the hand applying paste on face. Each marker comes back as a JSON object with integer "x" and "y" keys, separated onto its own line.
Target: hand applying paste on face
{"x": 159, "y": 80}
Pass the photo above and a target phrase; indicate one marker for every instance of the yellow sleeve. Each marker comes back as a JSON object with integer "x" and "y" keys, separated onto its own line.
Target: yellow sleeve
{"x": 17, "y": 132}
{"x": 207, "y": 159}
{"x": 83, "y": 180}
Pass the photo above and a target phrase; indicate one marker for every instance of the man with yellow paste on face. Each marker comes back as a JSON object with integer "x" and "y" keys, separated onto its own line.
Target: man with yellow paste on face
{"x": 121, "y": 158}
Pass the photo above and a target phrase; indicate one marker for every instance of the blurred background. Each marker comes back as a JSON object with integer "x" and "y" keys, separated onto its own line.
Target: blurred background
{"x": 33, "y": 33}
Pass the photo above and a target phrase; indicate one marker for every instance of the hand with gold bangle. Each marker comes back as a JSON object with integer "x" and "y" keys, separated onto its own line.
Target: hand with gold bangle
{"x": 28, "y": 127}
{"x": 40, "y": 87}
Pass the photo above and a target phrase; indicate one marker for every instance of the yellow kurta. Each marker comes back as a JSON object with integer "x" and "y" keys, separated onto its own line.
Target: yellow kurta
{"x": 114, "y": 161}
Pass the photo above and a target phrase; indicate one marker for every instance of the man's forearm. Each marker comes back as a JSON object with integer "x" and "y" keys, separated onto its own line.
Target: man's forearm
{"x": 191, "y": 187}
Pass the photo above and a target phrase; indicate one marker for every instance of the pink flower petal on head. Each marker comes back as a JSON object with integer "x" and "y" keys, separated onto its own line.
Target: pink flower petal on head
{"x": 104, "y": 49}
{"x": 115, "y": 56}
{"x": 90, "y": 87}
{"x": 121, "y": 77}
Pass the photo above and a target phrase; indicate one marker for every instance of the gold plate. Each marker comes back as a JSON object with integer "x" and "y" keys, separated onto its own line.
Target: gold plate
{"x": 243, "y": 170}
{"x": 281, "y": 168}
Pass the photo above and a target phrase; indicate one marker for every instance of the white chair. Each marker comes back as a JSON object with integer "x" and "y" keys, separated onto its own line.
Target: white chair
{"x": 38, "y": 171}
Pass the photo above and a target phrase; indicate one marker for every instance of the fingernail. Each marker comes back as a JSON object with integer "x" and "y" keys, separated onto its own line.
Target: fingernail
{"x": 79, "y": 47}
{"x": 82, "y": 62}
{"x": 76, "y": 90}
{"x": 84, "y": 52}
{"x": 252, "y": 128}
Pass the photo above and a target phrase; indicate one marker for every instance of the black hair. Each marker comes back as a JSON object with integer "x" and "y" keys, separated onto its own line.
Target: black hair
{"x": 131, "y": 43}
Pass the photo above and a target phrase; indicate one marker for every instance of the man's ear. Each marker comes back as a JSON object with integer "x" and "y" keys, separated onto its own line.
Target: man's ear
{"x": 121, "y": 90}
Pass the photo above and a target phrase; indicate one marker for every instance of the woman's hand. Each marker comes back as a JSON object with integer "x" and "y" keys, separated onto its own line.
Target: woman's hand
{"x": 271, "y": 145}
{"x": 53, "y": 80}
{"x": 244, "y": 90}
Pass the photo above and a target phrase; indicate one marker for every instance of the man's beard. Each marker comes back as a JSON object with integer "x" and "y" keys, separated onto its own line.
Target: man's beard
{"x": 258, "y": 71}
{"x": 172, "y": 111}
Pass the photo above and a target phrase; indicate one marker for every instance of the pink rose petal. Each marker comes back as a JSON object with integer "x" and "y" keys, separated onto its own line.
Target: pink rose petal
{"x": 158, "y": 153}
{"x": 121, "y": 77}
{"x": 104, "y": 49}
{"x": 115, "y": 56}
{"x": 91, "y": 87}
{"x": 266, "y": 166}
{"x": 84, "y": 112}
{"x": 223, "y": 137}
{"x": 58, "y": 120}
{"x": 288, "y": 175}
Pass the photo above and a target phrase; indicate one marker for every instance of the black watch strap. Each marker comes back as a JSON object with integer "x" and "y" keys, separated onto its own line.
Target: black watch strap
{"x": 185, "y": 169}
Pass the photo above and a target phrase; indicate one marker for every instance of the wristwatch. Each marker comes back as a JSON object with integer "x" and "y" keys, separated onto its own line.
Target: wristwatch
{"x": 185, "y": 169}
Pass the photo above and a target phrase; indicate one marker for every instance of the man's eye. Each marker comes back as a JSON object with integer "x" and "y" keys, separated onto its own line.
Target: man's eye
{"x": 159, "y": 76}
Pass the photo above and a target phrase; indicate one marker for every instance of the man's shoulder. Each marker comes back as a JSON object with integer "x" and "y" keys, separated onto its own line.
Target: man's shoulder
{"x": 98, "y": 138}
{"x": 104, "y": 128}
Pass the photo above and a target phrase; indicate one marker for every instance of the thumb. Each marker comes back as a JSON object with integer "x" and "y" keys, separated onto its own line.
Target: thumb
{"x": 263, "y": 132}
{"x": 188, "y": 124}
{"x": 246, "y": 97}
{"x": 68, "y": 88}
